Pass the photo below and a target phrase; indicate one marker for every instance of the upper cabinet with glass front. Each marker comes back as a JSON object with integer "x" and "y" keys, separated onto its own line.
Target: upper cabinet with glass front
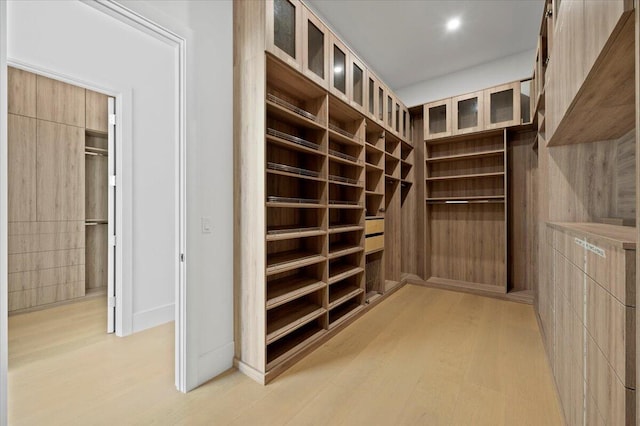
{"x": 437, "y": 119}
{"x": 339, "y": 78}
{"x": 359, "y": 84}
{"x": 315, "y": 49}
{"x": 502, "y": 106}
{"x": 468, "y": 113}
{"x": 284, "y": 30}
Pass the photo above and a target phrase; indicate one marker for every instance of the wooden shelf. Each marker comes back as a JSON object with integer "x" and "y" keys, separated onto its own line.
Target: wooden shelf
{"x": 286, "y": 318}
{"x": 285, "y": 234}
{"x": 339, "y": 137}
{"x": 338, "y": 272}
{"x": 374, "y": 193}
{"x": 480, "y": 154}
{"x": 284, "y": 114}
{"x": 345, "y": 206}
{"x": 343, "y": 249}
{"x": 289, "y": 260}
{"x": 344, "y": 228}
{"x": 476, "y": 198}
{"x": 293, "y": 343}
{"x": 300, "y": 145}
{"x": 336, "y": 181}
{"x": 371, "y": 167}
{"x": 342, "y": 294}
{"x": 469, "y": 176}
{"x": 372, "y": 148}
{"x": 295, "y": 175}
{"x": 287, "y": 289}
{"x": 276, "y": 204}
{"x": 343, "y": 312}
{"x": 623, "y": 237}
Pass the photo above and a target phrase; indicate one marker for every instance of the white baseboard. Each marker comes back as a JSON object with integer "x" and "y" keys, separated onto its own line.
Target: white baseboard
{"x": 153, "y": 317}
{"x": 214, "y": 362}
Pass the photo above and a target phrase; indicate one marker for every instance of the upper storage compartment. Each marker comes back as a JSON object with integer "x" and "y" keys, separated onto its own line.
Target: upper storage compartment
{"x": 315, "y": 56}
{"x": 284, "y": 30}
{"x": 590, "y": 90}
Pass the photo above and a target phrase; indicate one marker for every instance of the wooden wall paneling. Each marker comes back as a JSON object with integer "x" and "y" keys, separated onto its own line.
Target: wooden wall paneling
{"x": 392, "y": 233}
{"x": 21, "y": 94}
{"x": 96, "y": 187}
{"x": 32, "y": 280}
{"x": 60, "y": 102}
{"x": 21, "y": 169}
{"x": 60, "y": 172}
{"x": 22, "y": 262}
{"x": 625, "y": 187}
{"x": 249, "y": 187}
{"x": 637, "y": 188}
{"x": 96, "y": 112}
{"x": 422, "y": 248}
{"x": 25, "y": 299}
{"x": 96, "y": 256}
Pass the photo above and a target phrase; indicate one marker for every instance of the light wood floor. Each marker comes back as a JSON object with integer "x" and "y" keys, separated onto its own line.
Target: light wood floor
{"x": 423, "y": 357}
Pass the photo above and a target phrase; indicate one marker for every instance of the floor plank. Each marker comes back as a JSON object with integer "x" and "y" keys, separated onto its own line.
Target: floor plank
{"x": 424, "y": 356}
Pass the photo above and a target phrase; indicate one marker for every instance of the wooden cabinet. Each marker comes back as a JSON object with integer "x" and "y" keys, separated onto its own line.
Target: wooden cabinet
{"x": 593, "y": 287}
{"x": 359, "y": 87}
{"x": 21, "y": 168}
{"x": 315, "y": 49}
{"x": 340, "y": 80}
{"x": 467, "y": 113}
{"x": 502, "y": 106}
{"x": 284, "y": 31}
{"x": 22, "y": 92}
{"x": 97, "y": 115}
{"x": 437, "y": 119}
{"x": 60, "y": 102}
{"x": 592, "y": 71}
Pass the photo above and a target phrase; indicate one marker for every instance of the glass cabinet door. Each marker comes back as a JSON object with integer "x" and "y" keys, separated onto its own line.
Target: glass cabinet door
{"x": 397, "y": 118}
{"x": 502, "y": 106}
{"x": 437, "y": 119}
{"x": 358, "y": 84}
{"x": 389, "y": 110}
{"x": 315, "y": 40}
{"x": 339, "y": 76}
{"x": 467, "y": 113}
{"x": 381, "y": 99}
{"x": 371, "y": 98}
{"x": 284, "y": 30}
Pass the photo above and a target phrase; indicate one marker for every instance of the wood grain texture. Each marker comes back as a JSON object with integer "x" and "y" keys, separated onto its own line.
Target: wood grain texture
{"x": 96, "y": 199}
{"x": 96, "y": 256}
{"x": 30, "y": 280}
{"x": 21, "y": 95}
{"x": 96, "y": 112}
{"x": 402, "y": 363}
{"x": 60, "y": 172}
{"x": 60, "y": 102}
{"x": 21, "y": 169}
{"x": 23, "y": 262}
{"x": 42, "y": 296}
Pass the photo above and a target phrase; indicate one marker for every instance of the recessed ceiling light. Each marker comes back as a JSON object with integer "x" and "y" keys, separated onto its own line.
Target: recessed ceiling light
{"x": 453, "y": 24}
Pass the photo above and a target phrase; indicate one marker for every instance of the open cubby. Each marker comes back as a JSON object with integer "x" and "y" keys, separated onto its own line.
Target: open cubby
{"x": 345, "y": 266}
{"x": 374, "y": 204}
{"x": 344, "y": 290}
{"x": 405, "y": 170}
{"x": 295, "y": 137}
{"x": 345, "y": 153}
{"x": 284, "y": 255}
{"x": 290, "y": 285}
{"x": 340, "y": 195}
{"x": 291, "y": 190}
{"x": 340, "y": 172}
{"x": 392, "y": 145}
{"x": 294, "y": 163}
{"x": 343, "y": 311}
{"x": 292, "y": 222}
{"x": 345, "y": 218}
{"x": 472, "y": 187}
{"x": 345, "y": 243}
{"x": 465, "y": 167}
{"x": 344, "y": 122}
{"x": 475, "y": 144}
{"x": 374, "y": 156}
{"x": 294, "y": 342}
{"x": 391, "y": 166}
{"x": 374, "y": 267}
{"x": 289, "y": 316}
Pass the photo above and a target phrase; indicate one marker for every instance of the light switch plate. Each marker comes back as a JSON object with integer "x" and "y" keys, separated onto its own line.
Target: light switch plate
{"x": 206, "y": 225}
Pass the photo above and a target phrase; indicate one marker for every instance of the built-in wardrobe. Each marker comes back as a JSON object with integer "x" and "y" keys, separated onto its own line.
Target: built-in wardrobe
{"x": 58, "y": 197}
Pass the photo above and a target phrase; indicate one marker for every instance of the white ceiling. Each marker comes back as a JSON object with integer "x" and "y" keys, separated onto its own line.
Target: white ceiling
{"x": 405, "y": 41}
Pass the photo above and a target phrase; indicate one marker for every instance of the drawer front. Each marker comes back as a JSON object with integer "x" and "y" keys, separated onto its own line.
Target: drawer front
{"x": 571, "y": 247}
{"x": 614, "y": 401}
{"x": 612, "y": 326}
{"x": 612, "y": 268}
{"x": 569, "y": 281}
{"x": 373, "y": 243}
{"x": 374, "y": 226}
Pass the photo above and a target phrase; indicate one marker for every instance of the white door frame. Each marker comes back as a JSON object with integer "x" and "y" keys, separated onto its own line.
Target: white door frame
{"x": 124, "y": 311}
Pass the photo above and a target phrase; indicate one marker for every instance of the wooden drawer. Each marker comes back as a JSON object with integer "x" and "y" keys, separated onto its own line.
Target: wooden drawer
{"x": 612, "y": 268}
{"x": 373, "y": 243}
{"x": 374, "y": 226}
{"x": 570, "y": 246}
{"x": 611, "y": 324}
{"x": 615, "y": 402}
{"x": 569, "y": 281}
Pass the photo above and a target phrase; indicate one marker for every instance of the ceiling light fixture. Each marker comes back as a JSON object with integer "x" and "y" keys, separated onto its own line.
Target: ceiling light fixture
{"x": 453, "y": 24}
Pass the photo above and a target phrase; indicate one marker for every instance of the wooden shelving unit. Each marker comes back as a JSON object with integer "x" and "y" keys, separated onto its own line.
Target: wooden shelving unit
{"x": 465, "y": 185}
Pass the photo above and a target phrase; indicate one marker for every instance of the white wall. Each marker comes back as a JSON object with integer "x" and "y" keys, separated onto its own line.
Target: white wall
{"x": 504, "y": 70}
{"x": 81, "y": 43}
{"x": 208, "y": 28}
